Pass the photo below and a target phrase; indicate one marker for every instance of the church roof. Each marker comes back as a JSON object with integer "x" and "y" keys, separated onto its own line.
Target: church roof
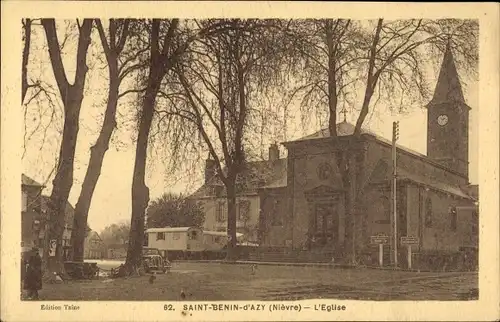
{"x": 346, "y": 129}
{"x": 437, "y": 185}
{"x": 343, "y": 129}
{"x": 448, "y": 87}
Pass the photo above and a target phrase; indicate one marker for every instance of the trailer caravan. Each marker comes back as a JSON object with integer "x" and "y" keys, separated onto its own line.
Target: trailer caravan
{"x": 189, "y": 242}
{"x": 177, "y": 241}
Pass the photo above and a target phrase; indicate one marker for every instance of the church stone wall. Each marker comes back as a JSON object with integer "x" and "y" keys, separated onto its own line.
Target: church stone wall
{"x": 414, "y": 208}
{"x": 440, "y": 234}
{"x": 376, "y": 211}
{"x": 440, "y": 237}
{"x": 307, "y": 161}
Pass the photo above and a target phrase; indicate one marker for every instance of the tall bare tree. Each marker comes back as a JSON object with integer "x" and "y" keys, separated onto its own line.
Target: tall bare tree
{"x": 119, "y": 66}
{"x": 326, "y": 59}
{"x": 160, "y": 57}
{"x": 388, "y": 59}
{"x": 216, "y": 95}
{"x": 71, "y": 97}
{"x": 168, "y": 40}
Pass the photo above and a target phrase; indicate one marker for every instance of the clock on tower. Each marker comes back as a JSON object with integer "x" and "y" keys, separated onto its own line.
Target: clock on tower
{"x": 448, "y": 120}
{"x": 442, "y": 119}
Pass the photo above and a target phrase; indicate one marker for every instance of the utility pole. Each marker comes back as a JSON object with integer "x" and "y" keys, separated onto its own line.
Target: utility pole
{"x": 395, "y": 136}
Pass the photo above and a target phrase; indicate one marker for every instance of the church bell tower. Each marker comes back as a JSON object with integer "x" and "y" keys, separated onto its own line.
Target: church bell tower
{"x": 448, "y": 120}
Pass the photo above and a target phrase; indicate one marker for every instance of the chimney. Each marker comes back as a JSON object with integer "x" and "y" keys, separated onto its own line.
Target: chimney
{"x": 274, "y": 152}
{"x": 210, "y": 169}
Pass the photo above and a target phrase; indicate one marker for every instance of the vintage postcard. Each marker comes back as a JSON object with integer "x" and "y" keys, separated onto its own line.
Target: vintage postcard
{"x": 171, "y": 161}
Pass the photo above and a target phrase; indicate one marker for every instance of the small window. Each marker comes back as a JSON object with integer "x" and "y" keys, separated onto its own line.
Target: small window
{"x": 428, "y": 213}
{"x": 193, "y": 235}
{"x": 160, "y": 236}
{"x": 453, "y": 219}
{"x": 221, "y": 213}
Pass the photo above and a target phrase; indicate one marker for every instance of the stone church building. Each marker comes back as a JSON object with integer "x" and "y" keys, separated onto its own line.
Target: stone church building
{"x": 296, "y": 203}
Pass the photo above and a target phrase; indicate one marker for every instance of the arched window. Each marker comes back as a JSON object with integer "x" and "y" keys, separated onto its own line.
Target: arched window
{"x": 382, "y": 210}
{"x": 220, "y": 211}
{"x": 428, "y": 212}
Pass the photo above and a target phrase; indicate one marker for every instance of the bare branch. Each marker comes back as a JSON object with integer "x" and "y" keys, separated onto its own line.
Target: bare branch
{"x": 26, "y": 53}
{"x": 104, "y": 40}
{"x": 167, "y": 41}
{"x": 123, "y": 37}
{"x": 131, "y": 91}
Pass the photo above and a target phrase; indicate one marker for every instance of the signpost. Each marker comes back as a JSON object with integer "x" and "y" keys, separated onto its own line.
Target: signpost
{"x": 409, "y": 241}
{"x": 395, "y": 137}
{"x": 381, "y": 240}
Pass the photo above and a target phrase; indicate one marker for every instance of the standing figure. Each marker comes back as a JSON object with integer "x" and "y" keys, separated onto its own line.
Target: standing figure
{"x": 33, "y": 276}
{"x": 254, "y": 269}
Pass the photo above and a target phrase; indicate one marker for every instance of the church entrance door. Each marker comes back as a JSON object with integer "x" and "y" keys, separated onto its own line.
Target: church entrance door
{"x": 326, "y": 226}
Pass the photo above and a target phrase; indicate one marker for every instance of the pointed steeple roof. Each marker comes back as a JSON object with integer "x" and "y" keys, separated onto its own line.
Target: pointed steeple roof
{"x": 448, "y": 87}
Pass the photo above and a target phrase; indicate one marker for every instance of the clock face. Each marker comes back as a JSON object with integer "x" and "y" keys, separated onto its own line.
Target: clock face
{"x": 442, "y": 120}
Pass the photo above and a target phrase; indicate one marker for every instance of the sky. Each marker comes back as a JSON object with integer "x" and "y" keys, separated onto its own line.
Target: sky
{"x": 111, "y": 202}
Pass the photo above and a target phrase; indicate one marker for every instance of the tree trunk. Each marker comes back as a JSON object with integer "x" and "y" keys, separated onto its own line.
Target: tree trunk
{"x": 231, "y": 220}
{"x": 97, "y": 152}
{"x": 351, "y": 207}
{"x": 72, "y": 97}
{"x": 371, "y": 80}
{"x": 332, "y": 80}
{"x": 348, "y": 161}
{"x": 140, "y": 192}
{"x": 26, "y": 54}
{"x": 343, "y": 162}
{"x": 63, "y": 181}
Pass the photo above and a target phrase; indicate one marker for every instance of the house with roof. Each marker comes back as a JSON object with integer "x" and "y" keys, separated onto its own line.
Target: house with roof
{"x": 69, "y": 215}
{"x": 253, "y": 177}
{"x": 34, "y": 224}
{"x": 31, "y": 212}
{"x": 298, "y": 203}
{"x": 94, "y": 247}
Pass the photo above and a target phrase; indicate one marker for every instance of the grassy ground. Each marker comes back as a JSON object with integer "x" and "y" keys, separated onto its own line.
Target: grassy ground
{"x": 218, "y": 281}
